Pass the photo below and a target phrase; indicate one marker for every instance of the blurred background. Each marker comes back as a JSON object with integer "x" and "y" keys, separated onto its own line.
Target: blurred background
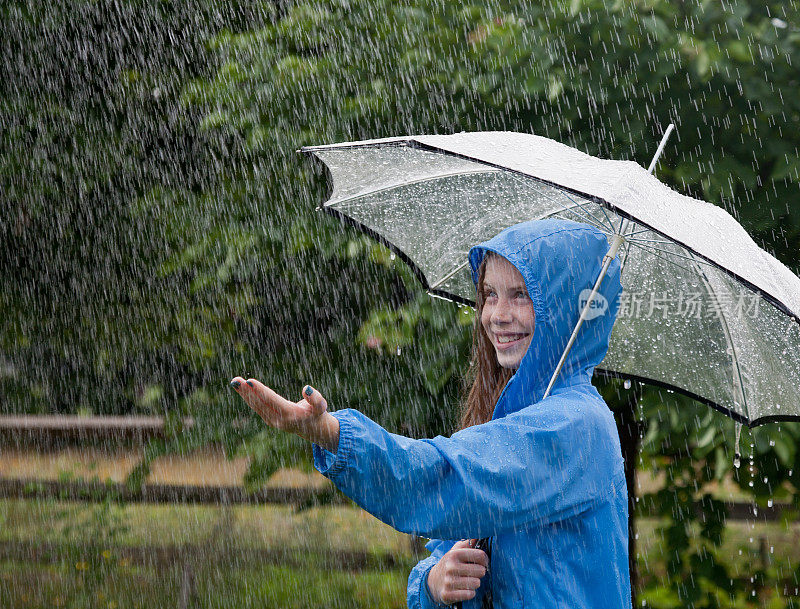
{"x": 158, "y": 236}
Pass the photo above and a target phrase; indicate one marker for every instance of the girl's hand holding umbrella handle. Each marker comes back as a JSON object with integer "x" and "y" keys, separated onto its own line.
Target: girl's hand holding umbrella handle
{"x": 309, "y": 418}
{"x": 458, "y": 573}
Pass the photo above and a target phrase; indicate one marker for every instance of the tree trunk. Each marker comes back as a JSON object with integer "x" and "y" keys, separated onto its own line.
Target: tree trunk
{"x": 629, "y": 431}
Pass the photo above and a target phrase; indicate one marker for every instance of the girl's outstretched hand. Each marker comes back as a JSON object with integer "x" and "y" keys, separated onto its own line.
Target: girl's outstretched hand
{"x": 458, "y": 573}
{"x": 309, "y": 418}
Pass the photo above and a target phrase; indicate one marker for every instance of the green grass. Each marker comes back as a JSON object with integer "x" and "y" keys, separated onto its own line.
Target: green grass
{"x": 317, "y": 528}
{"x": 91, "y": 569}
{"x": 216, "y": 586}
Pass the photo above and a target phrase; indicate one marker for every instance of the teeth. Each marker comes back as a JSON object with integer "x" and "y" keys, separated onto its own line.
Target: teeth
{"x": 509, "y": 339}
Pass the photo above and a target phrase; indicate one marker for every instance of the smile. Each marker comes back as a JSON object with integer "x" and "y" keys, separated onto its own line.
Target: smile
{"x": 510, "y": 340}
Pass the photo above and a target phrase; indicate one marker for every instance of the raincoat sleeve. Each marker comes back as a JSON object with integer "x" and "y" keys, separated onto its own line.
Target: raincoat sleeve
{"x": 542, "y": 464}
{"x": 418, "y": 595}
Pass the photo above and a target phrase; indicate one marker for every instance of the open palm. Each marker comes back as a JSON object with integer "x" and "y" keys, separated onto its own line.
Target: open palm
{"x": 277, "y": 411}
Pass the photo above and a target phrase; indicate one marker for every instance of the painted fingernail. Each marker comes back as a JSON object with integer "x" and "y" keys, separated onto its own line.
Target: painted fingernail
{"x": 309, "y": 391}
{"x": 251, "y": 384}
{"x": 235, "y": 384}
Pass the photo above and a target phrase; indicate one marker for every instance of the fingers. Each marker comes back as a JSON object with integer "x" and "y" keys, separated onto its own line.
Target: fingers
{"x": 277, "y": 411}
{"x": 458, "y": 567}
{"x": 465, "y": 565}
{"x": 456, "y": 588}
{"x": 463, "y": 552}
{"x": 468, "y": 569}
{"x": 264, "y": 401}
{"x": 467, "y": 584}
{"x": 315, "y": 400}
{"x": 455, "y": 596}
{"x": 471, "y": 556}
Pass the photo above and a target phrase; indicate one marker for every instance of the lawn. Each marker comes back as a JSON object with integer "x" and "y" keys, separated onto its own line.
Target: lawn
{"x": 217, "y": 584}
{"x": 140, "y": 555}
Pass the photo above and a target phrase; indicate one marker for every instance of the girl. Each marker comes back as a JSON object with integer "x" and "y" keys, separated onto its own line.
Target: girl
{"x": 542, "y": 478}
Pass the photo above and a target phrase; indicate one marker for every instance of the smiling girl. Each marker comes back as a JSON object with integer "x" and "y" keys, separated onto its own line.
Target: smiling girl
{"x": 542, "y": 477}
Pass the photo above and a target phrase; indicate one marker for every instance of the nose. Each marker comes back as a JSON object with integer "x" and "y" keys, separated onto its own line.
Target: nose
{"x": 501, "y": 313}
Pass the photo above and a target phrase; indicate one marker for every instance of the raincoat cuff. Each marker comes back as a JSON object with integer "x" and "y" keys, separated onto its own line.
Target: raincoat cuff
{"x": 425, "y": 599}
{"x": 327, "y": 463}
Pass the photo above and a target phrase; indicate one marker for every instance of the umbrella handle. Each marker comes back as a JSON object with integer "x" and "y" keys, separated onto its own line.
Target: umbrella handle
{"x": 485, "y": 545}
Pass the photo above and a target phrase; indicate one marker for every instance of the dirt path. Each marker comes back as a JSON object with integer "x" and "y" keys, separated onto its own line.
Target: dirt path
{"x": 207, "y": 467}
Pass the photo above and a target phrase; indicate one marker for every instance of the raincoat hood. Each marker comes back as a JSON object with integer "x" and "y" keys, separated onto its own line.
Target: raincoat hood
{"x": 560, "y": 261}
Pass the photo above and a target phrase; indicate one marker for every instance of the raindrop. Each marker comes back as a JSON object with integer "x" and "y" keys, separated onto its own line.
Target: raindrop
{"x": 737, "y": 462}
{"x": 627, "y": 384}
{"x": 769, "y": 502}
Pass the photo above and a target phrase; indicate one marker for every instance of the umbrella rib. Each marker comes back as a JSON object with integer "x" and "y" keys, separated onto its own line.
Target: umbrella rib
{"x": 624, "y": 261}
{"x": 650, "y": 250}
{"x": 449, "y": 275}
{"x": 661, "y": 241}
{"x": 571, "y": 208}
{"x": 594, "y": 221}
{"x": 598, "y": 222}
{"x": 353, "y": 199}
{"x": 624, "y": 257}
{"x": 729, "y": 340}
{"x": 639, "y": 232}
{"x": 610, "y": 223}
{"x": 658, "y": 249}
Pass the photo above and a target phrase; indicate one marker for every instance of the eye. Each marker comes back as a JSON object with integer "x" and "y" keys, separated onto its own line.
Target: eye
{"x": 522, "y": 295}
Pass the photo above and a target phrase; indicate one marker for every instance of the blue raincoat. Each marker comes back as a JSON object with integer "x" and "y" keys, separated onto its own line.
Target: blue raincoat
{"x": 544, "y": 478}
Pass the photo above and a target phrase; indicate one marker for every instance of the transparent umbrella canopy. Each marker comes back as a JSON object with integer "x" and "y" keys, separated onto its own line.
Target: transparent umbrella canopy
{"x": 704, "y": 311}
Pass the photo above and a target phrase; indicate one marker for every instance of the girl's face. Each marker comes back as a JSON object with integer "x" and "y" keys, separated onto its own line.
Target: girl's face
{"x": 507, "y": 315}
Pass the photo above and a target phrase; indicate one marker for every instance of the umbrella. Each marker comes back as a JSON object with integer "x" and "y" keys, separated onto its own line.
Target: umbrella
{"x": 704, "y": 311}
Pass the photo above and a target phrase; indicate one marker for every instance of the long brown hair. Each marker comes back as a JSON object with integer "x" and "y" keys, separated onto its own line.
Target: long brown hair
{"x": 487, "y": 376}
